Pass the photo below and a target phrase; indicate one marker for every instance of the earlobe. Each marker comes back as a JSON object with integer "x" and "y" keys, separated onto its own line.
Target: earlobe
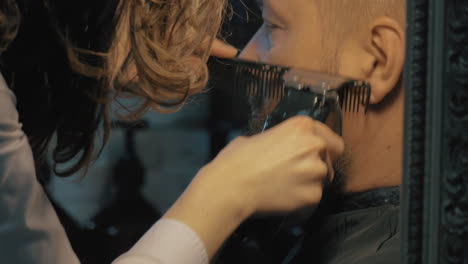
{"x": 387, "y": 46}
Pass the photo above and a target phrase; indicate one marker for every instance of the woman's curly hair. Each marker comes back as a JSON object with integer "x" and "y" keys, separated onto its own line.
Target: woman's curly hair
{"x": 9, "y": 23}
{"x": 66, "y": 61}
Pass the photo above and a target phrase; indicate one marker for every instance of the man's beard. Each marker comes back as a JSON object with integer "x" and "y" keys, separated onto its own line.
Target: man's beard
{"x": 336, "y": 188}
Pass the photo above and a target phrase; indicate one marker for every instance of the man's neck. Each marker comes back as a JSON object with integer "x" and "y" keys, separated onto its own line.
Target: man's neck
{"x": 376, "y": 161}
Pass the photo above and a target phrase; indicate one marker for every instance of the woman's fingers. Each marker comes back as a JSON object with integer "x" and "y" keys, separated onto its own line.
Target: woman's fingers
{"x": 221, "y": 49}
{"x": 280, "y": 170}
{"x": 335, "y": 144}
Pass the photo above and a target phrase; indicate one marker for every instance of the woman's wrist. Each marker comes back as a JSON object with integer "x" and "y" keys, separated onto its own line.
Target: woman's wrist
{"x": 212, "y": 212}
{"x": 233, "y": 201}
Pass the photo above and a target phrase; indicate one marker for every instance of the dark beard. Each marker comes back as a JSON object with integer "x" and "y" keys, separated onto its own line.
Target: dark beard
{"x": 337, "y": 187}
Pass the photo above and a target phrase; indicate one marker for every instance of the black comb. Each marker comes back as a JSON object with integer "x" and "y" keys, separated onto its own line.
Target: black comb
{"x": 271, "y": 82}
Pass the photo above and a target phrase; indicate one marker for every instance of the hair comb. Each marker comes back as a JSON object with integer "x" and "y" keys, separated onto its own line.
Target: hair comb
{"x": 287, "y": 91}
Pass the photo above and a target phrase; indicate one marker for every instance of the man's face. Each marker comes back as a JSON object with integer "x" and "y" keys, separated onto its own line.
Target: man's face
{"x": 290, "y": 36}
{"x": 298, "y": 33}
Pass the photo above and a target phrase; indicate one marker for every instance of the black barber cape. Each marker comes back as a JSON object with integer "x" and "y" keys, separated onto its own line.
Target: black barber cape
{"x": 355, "y": 228}
{"x": 360, "y": 228}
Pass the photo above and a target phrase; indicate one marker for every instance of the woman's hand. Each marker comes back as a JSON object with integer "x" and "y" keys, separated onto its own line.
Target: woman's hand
{"x": 221, "y": 49}
{"x": 280, "y": 170}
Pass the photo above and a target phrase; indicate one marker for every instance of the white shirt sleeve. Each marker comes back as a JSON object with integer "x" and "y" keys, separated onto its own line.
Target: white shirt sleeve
{"x": 30, "y": 231}
{"x": 167, "y": 242}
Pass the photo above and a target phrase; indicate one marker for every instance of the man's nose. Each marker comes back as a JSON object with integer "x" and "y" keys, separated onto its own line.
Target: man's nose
{"x": 250, "y": 51}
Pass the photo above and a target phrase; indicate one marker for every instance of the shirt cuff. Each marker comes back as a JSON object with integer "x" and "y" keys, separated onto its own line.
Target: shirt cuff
{"x": 169, "y": 241}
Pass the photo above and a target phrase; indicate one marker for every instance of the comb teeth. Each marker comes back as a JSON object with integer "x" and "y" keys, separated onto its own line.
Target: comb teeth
{"x": 354, "y": 95}
{"x": 356, "y": 103}
{"x": 259, "y": 80}
{"x": 361, "y": 98}
{"x": 266, "y": 81}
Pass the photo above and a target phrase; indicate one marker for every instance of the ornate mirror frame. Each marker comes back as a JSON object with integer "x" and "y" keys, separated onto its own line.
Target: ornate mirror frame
{"x": 435, "y": 182}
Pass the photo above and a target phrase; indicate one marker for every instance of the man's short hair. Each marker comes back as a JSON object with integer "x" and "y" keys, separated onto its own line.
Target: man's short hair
{"x": 348, "y": 15}
{"x": 340, "y": 19}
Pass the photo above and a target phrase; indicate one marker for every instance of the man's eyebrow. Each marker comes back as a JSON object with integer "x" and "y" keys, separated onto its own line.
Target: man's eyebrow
{"x": 274, "y": 8}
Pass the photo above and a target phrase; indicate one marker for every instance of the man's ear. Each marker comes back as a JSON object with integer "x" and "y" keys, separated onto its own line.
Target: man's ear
{"x": 386, "y": 45}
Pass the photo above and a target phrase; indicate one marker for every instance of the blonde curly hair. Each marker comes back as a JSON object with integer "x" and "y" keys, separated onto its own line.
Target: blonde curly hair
{"x": 157, "y": 51}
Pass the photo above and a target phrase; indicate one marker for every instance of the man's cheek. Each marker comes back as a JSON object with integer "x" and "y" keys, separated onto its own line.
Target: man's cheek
{"x": 288, "y": 53}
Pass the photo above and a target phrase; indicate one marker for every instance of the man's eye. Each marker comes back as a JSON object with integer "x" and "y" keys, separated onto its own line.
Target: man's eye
{"x": 272, "y": 32}
{"x": 271, "y": 26}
